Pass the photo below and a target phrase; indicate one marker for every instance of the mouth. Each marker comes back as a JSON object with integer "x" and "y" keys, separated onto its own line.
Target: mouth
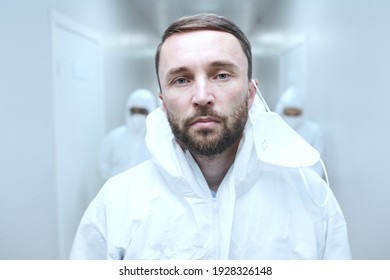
{"x": 205, "y": 122}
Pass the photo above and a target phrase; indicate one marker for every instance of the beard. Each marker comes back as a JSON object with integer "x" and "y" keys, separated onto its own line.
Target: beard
{"x": 210, "y": 141}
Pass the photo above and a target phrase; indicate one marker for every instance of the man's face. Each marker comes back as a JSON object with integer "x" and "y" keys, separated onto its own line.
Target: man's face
{"x": 205, "y": 89}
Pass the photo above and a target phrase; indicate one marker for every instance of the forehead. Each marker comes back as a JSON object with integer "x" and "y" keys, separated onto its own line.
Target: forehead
{"x": 191, "y": 48}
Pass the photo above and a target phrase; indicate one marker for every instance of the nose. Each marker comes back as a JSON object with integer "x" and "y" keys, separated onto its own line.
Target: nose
{"x": 203, "y": 94}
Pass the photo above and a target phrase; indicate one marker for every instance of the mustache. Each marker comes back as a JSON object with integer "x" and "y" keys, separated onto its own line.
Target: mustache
{"x": 203, "y": 111}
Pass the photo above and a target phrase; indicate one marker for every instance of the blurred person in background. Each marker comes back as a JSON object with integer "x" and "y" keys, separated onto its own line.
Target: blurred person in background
{"x": 125, "y": 146}
{"x": 291, "y": 107}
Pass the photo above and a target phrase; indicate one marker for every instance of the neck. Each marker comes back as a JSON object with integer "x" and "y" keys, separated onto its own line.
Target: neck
{"x": 215, "y": 167}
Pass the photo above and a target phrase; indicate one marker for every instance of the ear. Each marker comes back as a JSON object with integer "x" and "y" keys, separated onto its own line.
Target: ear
{"x": 160, "y": 95}
{"x": 252, "y": 92}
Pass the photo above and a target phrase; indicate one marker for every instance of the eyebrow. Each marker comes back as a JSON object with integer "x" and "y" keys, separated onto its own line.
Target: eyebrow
{"x": 215, "y": 64}
{"x": 177, "y": 70}
{"x": 224, "y": 64}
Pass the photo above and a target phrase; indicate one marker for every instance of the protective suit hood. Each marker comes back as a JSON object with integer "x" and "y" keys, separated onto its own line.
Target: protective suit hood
{"x": 291, "y": 98}
{"x": 140, "y": 98}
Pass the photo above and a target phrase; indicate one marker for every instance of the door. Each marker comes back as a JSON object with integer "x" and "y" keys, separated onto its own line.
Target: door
{"x": 78, "y": 119}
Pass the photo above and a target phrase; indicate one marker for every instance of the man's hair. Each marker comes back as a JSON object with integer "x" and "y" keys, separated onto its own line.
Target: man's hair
{"x": 205, "y": 22}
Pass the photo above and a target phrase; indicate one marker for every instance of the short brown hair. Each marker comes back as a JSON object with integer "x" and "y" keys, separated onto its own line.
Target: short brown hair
{"x": 206, "y": 22}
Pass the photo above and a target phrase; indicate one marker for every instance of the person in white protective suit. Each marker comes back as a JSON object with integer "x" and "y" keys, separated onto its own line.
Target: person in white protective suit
{"x": 291, "y": 107}
{"x": 228, "y": 178}
{"x": 125, "y": 146}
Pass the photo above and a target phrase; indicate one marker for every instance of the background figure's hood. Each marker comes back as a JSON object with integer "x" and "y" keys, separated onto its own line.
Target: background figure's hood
{"x": 139, "y": 98}
{"x": 292, "y": 97}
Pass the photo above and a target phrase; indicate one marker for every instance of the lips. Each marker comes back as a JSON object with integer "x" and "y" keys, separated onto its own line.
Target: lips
{"x": 204, "y": 120}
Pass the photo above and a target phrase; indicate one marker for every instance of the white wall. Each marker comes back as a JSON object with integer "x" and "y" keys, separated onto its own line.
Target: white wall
{"x": 348, "y": 88}
{"x": 27, "y": 178}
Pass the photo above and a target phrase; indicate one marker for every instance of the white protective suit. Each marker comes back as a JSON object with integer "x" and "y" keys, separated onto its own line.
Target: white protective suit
{"x": 265, "y": 208}
{"x": 307, "y": 129}
{"x": 125, "y": 146}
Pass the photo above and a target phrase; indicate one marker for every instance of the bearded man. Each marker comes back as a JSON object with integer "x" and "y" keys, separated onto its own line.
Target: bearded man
{"x": 227, "y": 180}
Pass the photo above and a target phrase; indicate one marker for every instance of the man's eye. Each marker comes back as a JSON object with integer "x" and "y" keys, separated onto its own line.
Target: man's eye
{"x": 223, "y": 76}
{"x": 180, "y": 81}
